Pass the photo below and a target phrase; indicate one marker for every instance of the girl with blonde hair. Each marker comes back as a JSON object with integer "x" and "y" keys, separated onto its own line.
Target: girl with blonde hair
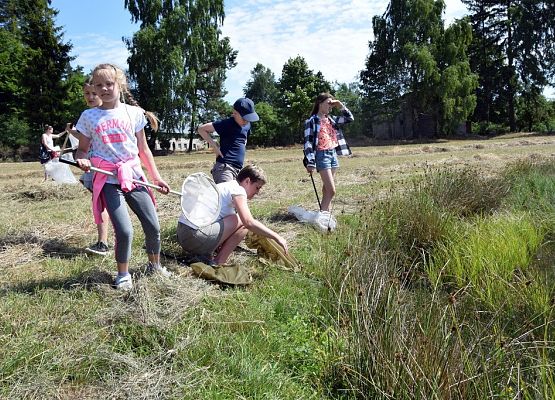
{"x": 114, "y": 133}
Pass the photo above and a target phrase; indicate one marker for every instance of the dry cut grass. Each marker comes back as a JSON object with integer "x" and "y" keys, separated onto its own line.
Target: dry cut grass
{"x": 66, "y": 334}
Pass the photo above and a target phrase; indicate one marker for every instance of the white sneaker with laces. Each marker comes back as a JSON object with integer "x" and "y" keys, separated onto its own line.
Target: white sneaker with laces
{"x": 123, "y": 282}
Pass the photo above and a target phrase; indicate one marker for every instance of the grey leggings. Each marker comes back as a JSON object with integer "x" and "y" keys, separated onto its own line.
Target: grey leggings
{"x": 141, "y": 204}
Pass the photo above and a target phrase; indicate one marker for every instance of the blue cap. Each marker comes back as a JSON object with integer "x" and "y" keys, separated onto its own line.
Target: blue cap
{"x": 245, "y": 107}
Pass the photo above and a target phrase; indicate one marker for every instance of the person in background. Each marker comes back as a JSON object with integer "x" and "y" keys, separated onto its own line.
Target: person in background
{"x": 233, "y": 223}
{"x": 47, "y": 150}
{"x": 234, "y": 132}
{"x": 114, "y": 134}
{"x": 323, "y": 139}
{"x": 100, "y": 247}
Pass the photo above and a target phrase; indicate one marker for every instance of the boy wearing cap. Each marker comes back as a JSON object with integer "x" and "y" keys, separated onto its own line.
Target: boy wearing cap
{"x": 233, "y": 133}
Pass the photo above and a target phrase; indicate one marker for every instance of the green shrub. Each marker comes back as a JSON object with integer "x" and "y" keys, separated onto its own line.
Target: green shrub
{"x": 489, "y": 128}
{"x": 464, "y": 192}
{"x": 408, "y": 226}
{"x": 16, "y": 132}
{"x": 413, "y": 221}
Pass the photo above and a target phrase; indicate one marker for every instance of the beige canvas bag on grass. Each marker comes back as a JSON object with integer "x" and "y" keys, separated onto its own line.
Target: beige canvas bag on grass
{"x": 236, "y": 275}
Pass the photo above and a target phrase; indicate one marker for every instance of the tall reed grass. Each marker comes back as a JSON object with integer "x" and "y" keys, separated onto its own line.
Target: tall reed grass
{"x": 486, "y": 255}
{"x": 436, "y": 292}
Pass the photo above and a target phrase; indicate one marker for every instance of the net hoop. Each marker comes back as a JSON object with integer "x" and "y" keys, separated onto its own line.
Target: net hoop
{"x": 200, "y": 199}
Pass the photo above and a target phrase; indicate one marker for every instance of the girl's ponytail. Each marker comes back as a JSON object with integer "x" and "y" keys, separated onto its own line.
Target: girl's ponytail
{"x": 148, "y": 114}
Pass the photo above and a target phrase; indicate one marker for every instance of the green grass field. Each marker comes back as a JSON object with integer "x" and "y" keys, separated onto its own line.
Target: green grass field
{"x": 437, "y": 284}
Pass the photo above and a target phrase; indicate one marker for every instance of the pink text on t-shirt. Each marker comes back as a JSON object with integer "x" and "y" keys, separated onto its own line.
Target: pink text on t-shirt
{"x": 111, "y": 124}
{"x": 114, "y": 138}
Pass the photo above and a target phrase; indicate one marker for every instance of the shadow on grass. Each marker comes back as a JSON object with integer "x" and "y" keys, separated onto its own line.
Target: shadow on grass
{"x": 52, "y": 247}
{"x": 88, "y": 280}
{"x": 60, "y": 249}
{"x": 181, "y": 258}
{"x": 282, "y": 217}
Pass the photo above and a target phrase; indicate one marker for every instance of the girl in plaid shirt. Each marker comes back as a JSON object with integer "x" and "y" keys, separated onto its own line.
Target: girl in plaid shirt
{"x": 323, "y": 141}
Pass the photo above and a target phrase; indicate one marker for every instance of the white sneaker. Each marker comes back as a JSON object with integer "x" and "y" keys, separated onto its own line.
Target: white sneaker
{"x": 152, "y": 268}
{"x": 123, "y": 282}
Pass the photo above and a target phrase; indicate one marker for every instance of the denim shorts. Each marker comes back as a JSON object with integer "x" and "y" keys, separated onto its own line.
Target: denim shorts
{"x": 326, "y": 159}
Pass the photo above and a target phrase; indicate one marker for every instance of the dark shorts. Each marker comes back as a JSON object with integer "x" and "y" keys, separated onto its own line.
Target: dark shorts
{"x": 87, "y": 180}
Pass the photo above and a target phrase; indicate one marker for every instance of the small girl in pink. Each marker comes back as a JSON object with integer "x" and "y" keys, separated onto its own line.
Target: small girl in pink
{"x": 114, "y": 133}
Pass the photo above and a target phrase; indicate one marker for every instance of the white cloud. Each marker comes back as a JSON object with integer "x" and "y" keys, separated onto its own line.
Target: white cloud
{"x": 332, "y": 37}
{"x": 88, "y": 47}
{"x": 454, "y": 9}
{"x": 329, "y": 37}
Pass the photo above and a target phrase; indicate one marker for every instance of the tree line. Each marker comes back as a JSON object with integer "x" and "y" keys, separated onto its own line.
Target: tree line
{"x": 487, "y": 70}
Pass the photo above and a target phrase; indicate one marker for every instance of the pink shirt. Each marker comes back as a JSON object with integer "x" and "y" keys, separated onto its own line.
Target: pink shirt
{"x": 327, "y": 137}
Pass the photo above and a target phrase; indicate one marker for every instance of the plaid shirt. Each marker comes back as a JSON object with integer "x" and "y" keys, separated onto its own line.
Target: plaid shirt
{"x": 311, "y": 129}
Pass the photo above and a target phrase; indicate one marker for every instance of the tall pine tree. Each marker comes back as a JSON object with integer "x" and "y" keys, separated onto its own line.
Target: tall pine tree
{"x": 513, "y": 53}
{"x": 34, "y": 72}
{"x": 48, "y": 65}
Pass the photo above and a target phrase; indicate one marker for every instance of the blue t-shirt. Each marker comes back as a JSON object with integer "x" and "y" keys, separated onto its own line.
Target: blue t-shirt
{"x": 233, "y": 141}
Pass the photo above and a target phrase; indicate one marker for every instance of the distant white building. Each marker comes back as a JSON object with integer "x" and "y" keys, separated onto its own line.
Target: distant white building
{"x": 182, "y": 144}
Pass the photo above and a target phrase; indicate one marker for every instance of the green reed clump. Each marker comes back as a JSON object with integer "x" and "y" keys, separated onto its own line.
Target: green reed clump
{"x": 418, "y": 216}
{"x": 483, "y": 325}
{"x": 485, "y": 254}
{"x": 463, "y": 192}
{"x": 393, "y": 342}
{"x": 410, "y": 226}
{"x": 532, "y": 187}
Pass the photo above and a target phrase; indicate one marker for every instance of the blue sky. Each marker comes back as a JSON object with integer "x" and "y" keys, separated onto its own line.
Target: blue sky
{"x": 332, "y": 36}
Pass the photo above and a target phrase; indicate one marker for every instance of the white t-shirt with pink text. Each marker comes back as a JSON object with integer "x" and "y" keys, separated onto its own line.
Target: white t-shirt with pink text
{"x": 112, "y": 134}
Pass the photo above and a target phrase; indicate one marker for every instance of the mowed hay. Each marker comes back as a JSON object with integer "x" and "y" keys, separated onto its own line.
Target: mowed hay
{"x": 20, "y": 254}
{"x": 68, "y": 334}
{"x": 156, "y": 300}
{"x": 46, "y": 191}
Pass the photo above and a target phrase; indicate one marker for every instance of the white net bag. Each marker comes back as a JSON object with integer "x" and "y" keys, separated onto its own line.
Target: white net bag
{"x": 200, "y": 199}
{"x": 59, "y": 172}
{"x": 322, "y": 220}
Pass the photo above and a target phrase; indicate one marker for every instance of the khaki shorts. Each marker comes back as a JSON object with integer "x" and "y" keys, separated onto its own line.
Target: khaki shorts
{"x": 202, "y": 241}
{"x": 224, "y": 172}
